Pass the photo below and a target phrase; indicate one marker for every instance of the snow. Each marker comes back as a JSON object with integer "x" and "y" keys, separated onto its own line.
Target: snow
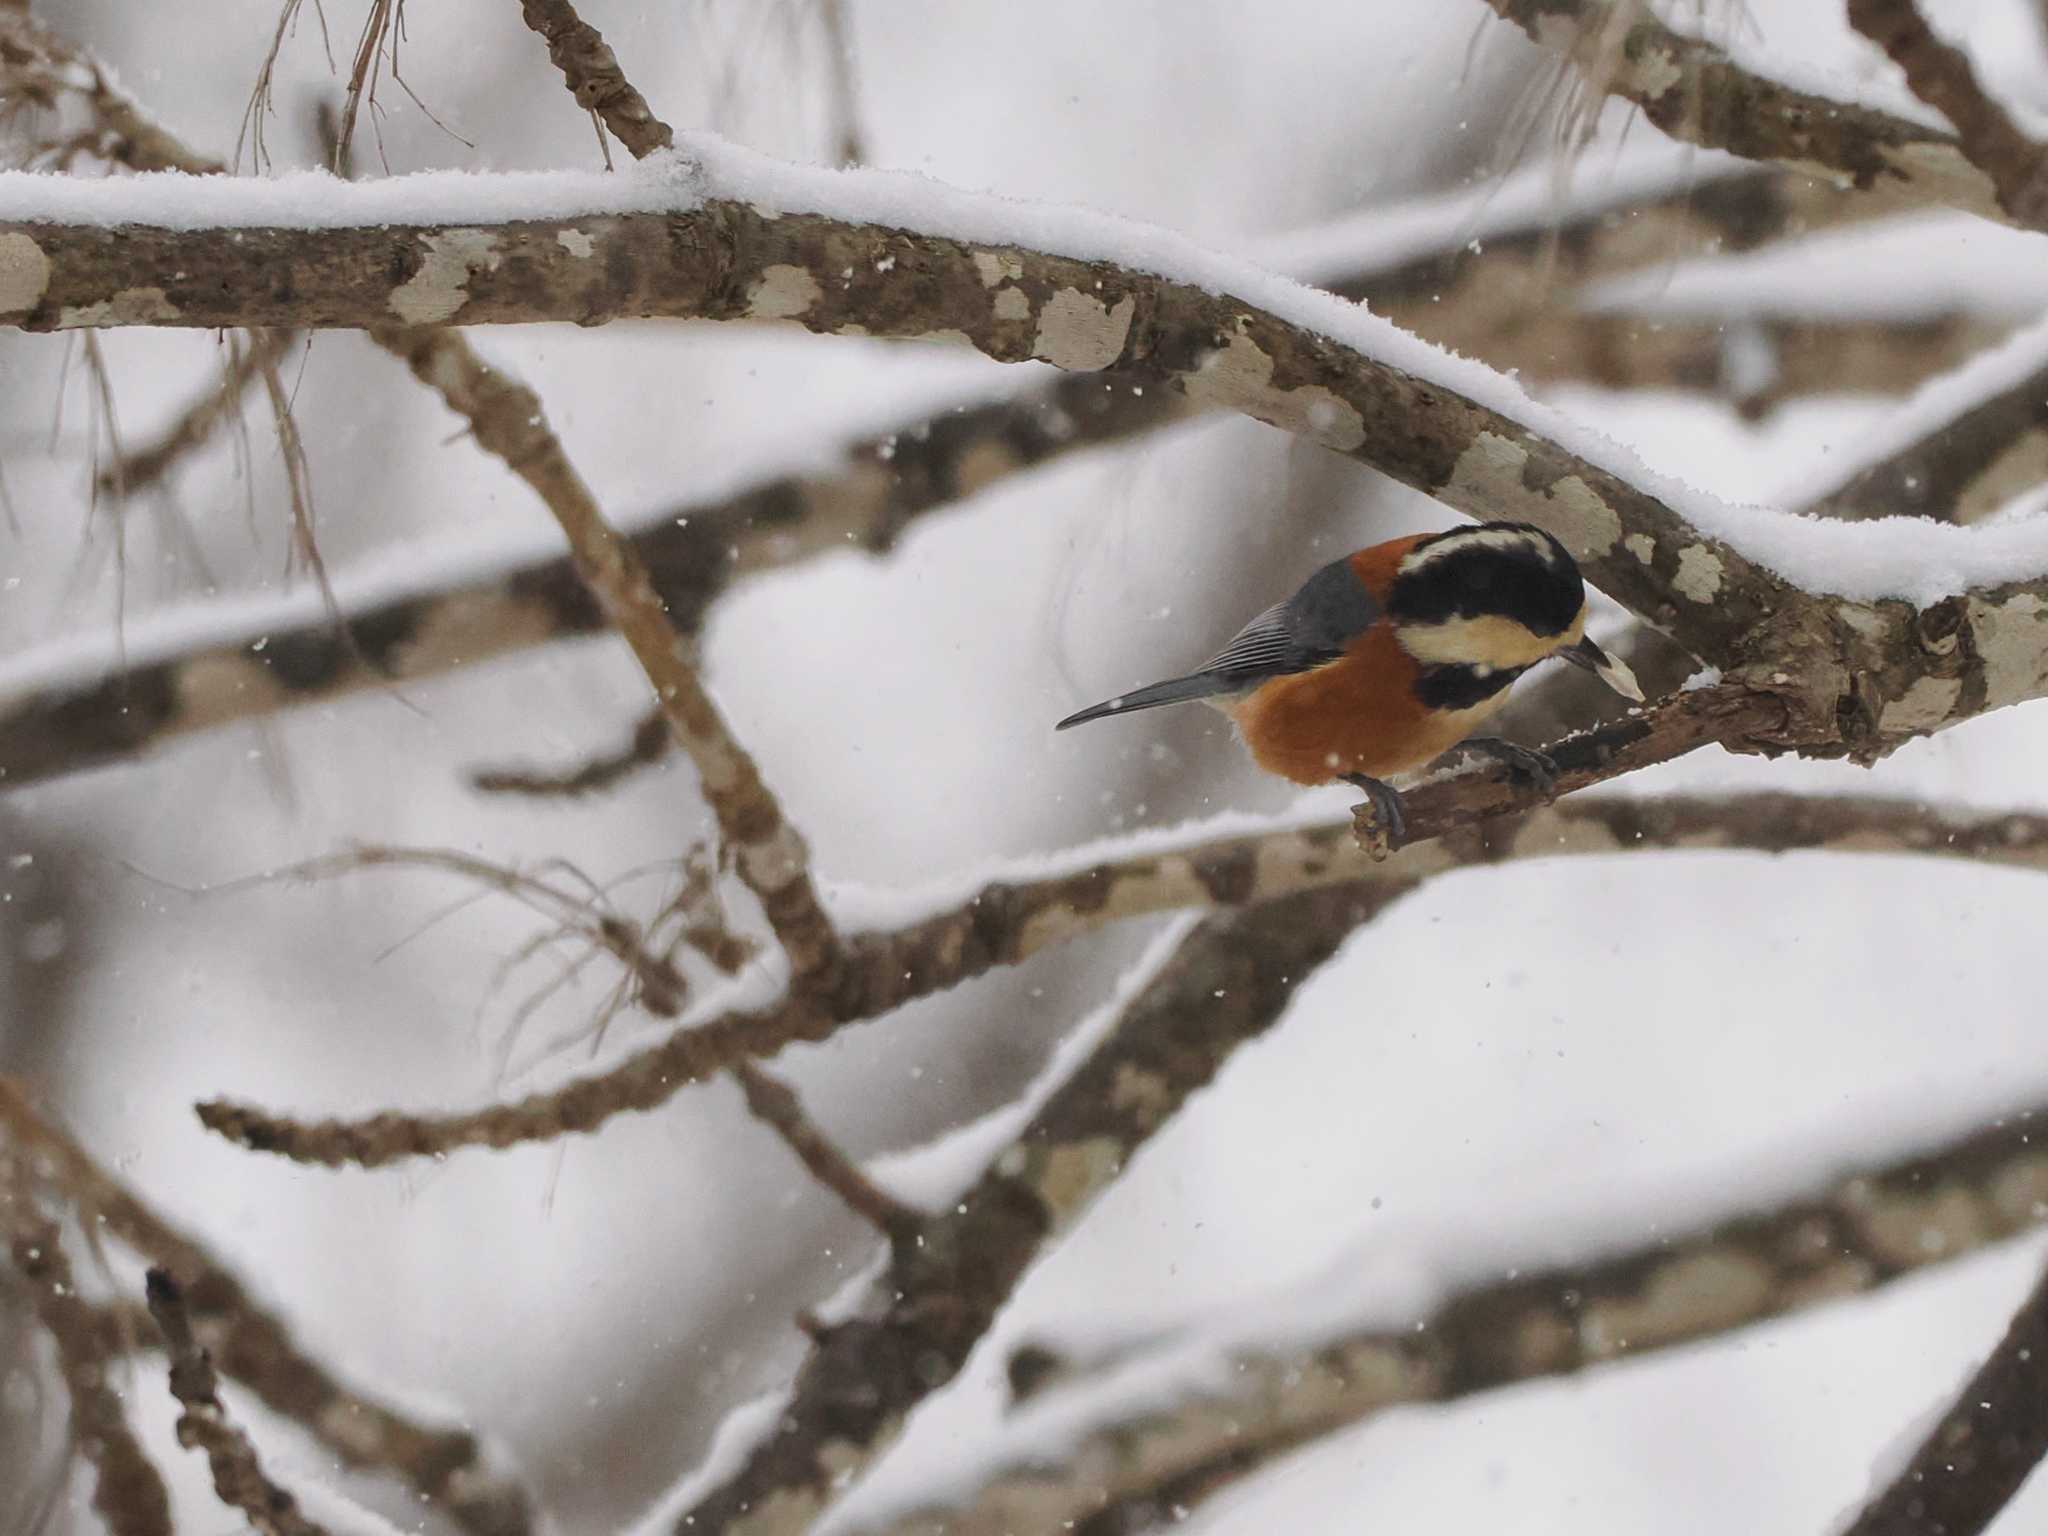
{"x": 737, "y": 1435}
{"x": 939, "y": 1172}
{"x": 1889, "y": 558}
{"x": 1935, "y": 405}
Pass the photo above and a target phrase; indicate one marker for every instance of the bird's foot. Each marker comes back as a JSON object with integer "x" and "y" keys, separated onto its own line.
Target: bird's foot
{"x": 1526, "y": 766}
{"x": 1379, "y": 820}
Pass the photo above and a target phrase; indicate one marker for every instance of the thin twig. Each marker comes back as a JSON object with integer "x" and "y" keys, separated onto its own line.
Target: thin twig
{"x": 592, "y": 71}
{"x": 650, "y": 743}
{"x": 775, "y": 1104}
{"x": 128, "y": 1491}
{"x": 144, "y": 468}
{"x": 447, "y": 1468}
{"x": 204, "y": 1425}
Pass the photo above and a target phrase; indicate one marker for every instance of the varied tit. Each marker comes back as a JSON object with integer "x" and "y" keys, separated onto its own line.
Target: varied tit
{"x": 1390, "y": 657}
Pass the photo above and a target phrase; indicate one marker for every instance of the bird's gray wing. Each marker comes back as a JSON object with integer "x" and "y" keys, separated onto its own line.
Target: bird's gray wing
{"x": 1309, "y": 630}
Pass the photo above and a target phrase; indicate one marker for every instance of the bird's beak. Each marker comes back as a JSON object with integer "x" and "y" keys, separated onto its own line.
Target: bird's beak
{"x": 1610, "y": 669}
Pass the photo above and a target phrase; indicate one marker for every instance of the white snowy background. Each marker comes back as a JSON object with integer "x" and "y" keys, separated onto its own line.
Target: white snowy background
{"x": 1533, "y": 1060}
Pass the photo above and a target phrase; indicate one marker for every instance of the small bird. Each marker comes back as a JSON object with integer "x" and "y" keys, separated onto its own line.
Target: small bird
{"x": 1393, "y": 655}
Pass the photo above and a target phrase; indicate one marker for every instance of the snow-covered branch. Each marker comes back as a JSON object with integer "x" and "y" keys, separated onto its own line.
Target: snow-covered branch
{"x": 1695, "y": 92}
{"x": 1218, "y": 1411}
{"x": 715, "y": 232}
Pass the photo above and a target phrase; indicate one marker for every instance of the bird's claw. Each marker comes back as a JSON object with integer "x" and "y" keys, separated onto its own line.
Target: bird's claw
{"x": 1526, "y": 766}
{"x": 1379, "y": 821}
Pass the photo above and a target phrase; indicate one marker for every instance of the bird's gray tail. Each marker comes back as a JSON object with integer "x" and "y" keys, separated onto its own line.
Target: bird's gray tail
{"x": 1175, "y": 690}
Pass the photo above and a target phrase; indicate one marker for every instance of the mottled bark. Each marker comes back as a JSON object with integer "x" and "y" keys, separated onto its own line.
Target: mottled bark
{"x": 727, "y": 259}
{"x": 1863, "y": 1231}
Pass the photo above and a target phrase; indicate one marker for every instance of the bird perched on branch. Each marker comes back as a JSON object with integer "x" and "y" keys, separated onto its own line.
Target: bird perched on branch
{"x": 1393, "y": 655}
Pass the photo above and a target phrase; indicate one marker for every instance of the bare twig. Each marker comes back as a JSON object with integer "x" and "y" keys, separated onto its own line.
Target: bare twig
{"x": 1865, "y": 1229}
{"x": 649, "y": 745}
{"x": 1941, "y": 76}
{"x": 848, "y": 147}
{"x": 204, "y": 1425}
{"x": 195, "y": 426}
{"x": 506, "y": 419}
{"x": 128, "y": 1490}
{"x": 775, "y": 1104}
{"x": 446, "y": 1467}
{"x": 592, "y": 71}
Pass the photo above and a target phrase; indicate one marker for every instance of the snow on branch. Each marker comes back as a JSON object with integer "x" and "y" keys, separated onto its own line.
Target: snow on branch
{"x": 1972, "y": 1462}
{"x": 1695, "y": 92}
{"x": 1214, "y": 1411}
{"x": 73, "y": 707}
{"x": 715, "y": 232}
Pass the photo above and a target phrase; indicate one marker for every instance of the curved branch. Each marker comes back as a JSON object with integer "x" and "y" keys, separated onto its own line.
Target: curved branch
{"x": 1223, "y": 333}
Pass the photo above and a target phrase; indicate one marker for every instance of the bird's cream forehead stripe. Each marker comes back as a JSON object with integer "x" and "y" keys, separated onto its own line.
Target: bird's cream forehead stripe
{"x": 1471, "y": 538}
{"x": 1487, "y": 640}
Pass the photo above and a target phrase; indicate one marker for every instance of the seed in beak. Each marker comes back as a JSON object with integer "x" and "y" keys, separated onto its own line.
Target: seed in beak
{"x": 1606, "y": 666}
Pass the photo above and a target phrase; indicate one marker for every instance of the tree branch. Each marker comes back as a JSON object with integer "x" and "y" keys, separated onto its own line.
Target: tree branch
{"x": 724, "y": 257}
{"x": 238, "y": 1475}
{"x": 997, "y": 926}
{"x": 447, "y": 1467}
{"x": 1973, "y": 1461}
{"x": 592, "y": 71}
{"x": 128, "y": 1491}
{"x": 1695, "y": 93}
{"x": 1866, "y": 1229}
{"x": 1942, "y": 77}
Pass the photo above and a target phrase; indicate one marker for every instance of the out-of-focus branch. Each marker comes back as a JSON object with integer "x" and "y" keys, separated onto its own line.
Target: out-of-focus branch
{"x": 776, "y": 1105}
{"x": 1966, "y": 466}
{"x": 1695, "y": 93}
{"x": 204, "y": 1425}
{"x": 592, "y": 71}
{"x": 128, "y": 1491}
{"x": 1226, "y": 983}
{"x": 1973, "y": 1462}
{"x": 1864, "y": 1230}
{"x": 246, "y": 363}
{"x": 1941, "y": 76}
{"x": 446, "y": 1467}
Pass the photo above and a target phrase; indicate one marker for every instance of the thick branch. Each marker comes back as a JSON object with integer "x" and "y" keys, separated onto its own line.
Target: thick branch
{"x": 1226, "y": 983}
{"x": 1866, "y": 1229}
{"x": 880, "y": 972}
{"x": 1494, "y": 303}
{"x": 726, "y": 258}
{"x": 1973, "y": 1461}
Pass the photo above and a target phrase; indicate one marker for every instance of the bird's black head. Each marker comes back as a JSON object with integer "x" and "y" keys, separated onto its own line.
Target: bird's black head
{"x": 1500, "y": 596}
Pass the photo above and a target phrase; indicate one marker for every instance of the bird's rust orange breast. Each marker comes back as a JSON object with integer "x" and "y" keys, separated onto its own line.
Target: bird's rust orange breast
{"x": 1359, "y": 714}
